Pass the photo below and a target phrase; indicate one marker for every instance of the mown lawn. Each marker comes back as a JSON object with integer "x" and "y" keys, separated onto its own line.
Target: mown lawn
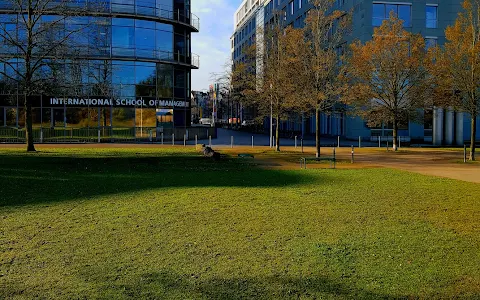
{"x": 164, "y": 224}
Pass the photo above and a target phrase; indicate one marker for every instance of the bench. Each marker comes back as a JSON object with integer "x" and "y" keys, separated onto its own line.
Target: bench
{"x": 331, "y": 159}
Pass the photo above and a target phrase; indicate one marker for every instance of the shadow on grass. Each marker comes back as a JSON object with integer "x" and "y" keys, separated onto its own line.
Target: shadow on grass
{"x": 45, "y": 178}
{"x": 168, "y": 285}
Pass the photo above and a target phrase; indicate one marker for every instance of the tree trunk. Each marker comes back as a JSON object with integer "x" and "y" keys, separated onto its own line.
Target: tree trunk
{"x": 473, "y": 137}
{"x": 317, "y": 132}
{"x": 28, "y": 125}
{"x": 395, "y": 134}
{"x": 277, "y": 135}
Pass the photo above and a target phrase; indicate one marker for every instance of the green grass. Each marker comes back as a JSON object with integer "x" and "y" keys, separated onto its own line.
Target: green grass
{"x": 164, "y": 224}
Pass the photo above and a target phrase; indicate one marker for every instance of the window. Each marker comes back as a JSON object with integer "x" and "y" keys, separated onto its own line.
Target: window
{"x": 292, "y": 9}
{"x": 300, "y": 4}
{"x": 431, "y": 16}
{"x": 381, "y": 11}
{"x": 430, "y": 42}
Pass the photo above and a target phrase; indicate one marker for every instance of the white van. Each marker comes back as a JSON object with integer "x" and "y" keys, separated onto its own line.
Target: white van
{"x": 205, "y": 121}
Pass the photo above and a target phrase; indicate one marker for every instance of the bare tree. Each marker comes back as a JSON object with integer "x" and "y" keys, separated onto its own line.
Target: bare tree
{"x": 34, "y": 41}
{"x": 276, "y": 88}
{"x": 324, "y": 30}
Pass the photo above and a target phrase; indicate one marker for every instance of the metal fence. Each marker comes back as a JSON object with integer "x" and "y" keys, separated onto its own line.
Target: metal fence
{"x": 106, "y": 134}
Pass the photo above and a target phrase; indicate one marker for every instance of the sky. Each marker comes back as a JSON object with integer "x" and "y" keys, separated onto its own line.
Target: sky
{"x": 212, "y": 43}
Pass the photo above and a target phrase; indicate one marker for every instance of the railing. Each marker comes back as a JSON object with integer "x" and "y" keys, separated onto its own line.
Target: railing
{"x": 106, "y": 134}
{"x": 161, "y": 12}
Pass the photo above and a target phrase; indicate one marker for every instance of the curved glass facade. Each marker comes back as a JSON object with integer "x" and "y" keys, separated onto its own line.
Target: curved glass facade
{"x": 135, "y": 54}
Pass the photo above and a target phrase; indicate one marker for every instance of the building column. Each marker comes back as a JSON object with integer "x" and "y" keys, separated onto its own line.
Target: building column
{"x": 449, "y": 125}
{"x": 437, "y": 134}
{"x": 459, "y": 138}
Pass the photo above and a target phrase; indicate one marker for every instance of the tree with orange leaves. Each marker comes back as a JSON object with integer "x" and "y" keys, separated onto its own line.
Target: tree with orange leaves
{"x": 456, "y": 66}
{"x": 388, "y": 77}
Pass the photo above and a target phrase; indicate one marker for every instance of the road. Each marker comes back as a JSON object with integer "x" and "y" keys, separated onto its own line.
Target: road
{"x": 241, "y": 138}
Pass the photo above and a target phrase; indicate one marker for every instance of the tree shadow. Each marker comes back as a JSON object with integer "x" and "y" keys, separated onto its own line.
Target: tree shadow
{"x": 44, "y": 178}
{"x": 168, "y": 285}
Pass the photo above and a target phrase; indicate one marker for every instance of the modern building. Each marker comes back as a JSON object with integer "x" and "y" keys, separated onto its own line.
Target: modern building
{"x": 124, "y": 73}
{"x": 427, "y": 17}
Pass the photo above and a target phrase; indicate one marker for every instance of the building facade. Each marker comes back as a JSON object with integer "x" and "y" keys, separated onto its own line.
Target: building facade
{"x": 441, "y": 126}
{"x": 122, "y": 72}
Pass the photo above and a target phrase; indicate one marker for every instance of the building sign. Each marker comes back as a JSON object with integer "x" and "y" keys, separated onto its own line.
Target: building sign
{"x": 102, "y": 102}
{"x": 93, "y": 101}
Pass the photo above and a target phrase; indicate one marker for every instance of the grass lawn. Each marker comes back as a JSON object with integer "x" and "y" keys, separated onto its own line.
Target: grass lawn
{"x": 165, "y": 224}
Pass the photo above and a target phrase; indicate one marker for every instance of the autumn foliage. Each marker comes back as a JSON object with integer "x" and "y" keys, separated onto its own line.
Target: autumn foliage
{"x": 388, "y": 76}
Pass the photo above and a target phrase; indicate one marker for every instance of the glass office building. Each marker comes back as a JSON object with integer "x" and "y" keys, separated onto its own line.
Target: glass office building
{"x": 124, "y": 71}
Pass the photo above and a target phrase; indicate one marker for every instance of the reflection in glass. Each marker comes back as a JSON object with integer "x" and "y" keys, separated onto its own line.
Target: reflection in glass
{"x": 165, "y": 118}
{"x": 164, "y": 81}
{"x": 123, "y": 117}
{"x": 11, "y": 117}
{"x": 145, "y": 117}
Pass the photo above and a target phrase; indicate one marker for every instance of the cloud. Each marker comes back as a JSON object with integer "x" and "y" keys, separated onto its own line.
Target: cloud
{"x": 212, "y": 43}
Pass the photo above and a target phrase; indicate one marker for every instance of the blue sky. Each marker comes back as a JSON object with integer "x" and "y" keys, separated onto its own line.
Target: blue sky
{"x": 212, "y": 43}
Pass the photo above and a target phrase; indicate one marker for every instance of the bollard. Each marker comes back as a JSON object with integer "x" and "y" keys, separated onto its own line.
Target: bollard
{"x": 379, "y": 142}
{"x": 99, "y": 135}
{"x": 184, "y": 140}
{"x": 338, "y": 142}
{"x": 162, "y": 138}
{"x": 295, "y": 142}
{"x": 353, "y": 153}
{"x": 196, "y": 140}
{"x": 465, "y": 153}
{"x": 150, "y": 136}
{"x": 387, "y": 144}
{"x": 173, "y": 139}
{"x": 359, "y": 142}
{"x": 334, "y": 158}
{"x": 252, "y": 141}
{"x": 301, "y": 142}
{"x": 41, "y": 135}
{"x": 210, "y": 140}
{"x": 231, "y": 141}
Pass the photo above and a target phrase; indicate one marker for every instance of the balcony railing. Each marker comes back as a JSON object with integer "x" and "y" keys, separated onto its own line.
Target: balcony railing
{"x": 80, "y": 52}
{"x": 161, "y": 12}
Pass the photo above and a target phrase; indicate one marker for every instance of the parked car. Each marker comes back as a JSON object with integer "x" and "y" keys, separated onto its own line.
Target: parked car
{"x": 205, "y": 121}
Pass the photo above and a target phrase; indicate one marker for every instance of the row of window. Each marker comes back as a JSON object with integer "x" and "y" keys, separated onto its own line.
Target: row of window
{"x": 245, "y": 31}
{"x": 89, "y": 117}
{"x": 381, "y": 12}
{"x": 126, "y": 79}
{"x": 103, "y": 33}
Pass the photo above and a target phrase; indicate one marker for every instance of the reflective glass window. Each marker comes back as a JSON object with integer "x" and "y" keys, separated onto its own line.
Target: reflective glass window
{"x": 381, "y": 11}
{"x": 405, "y": 14}
{"x": 164, "y": 41}
{"x": 144, "y": 38}
{"x": 378, "y": 14}
{"x": 124, "y": 74}
{"x": 123, "y": 37}
{"x": 145, "y": 24}
{"x": 431, "y": 16}
{"x": 122, "y": 22}
{"x": 430, "y": 43}
{"x": 145, "y": 75}
{"x": 164, "y": 80}
{"x": 164, "y": 27}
